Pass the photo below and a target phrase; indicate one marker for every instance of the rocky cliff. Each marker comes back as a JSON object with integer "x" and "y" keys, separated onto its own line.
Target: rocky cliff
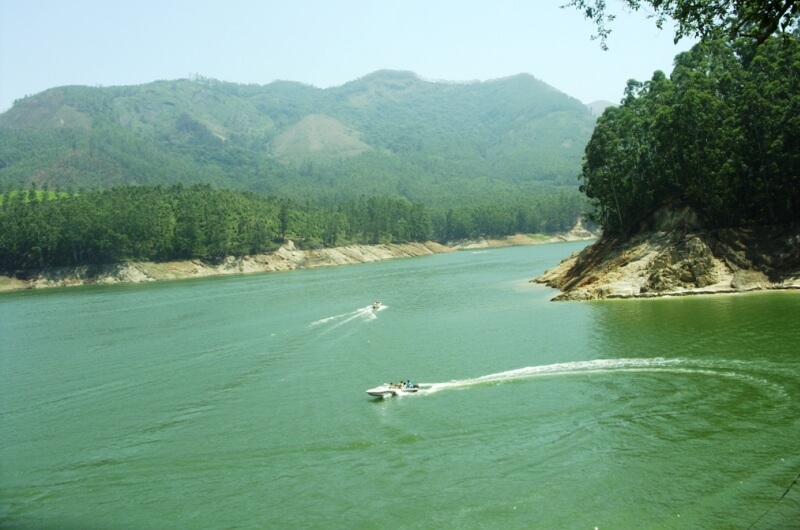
{"x": 680, "y": 260}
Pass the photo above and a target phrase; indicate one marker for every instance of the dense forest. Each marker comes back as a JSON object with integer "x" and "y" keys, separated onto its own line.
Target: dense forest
{"x": 40, "y": 228}
{"x": 720, "y": 135}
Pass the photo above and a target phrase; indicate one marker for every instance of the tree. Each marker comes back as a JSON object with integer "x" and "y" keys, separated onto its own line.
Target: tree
{"x": 719, "y": 136}
{"x": 704, "y": 19}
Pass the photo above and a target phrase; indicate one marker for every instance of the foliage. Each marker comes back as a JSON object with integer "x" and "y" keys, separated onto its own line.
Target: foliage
{"x": 157, "y": 223}
{"x": 721, "y": 135}
{"x": 705, "y": 19}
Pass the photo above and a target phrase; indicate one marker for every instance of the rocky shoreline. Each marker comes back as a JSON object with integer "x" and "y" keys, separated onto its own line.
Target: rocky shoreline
{"x": 287, "y": 257}
{"x": 672, "y": 262}
{"x": 679, "y": 262}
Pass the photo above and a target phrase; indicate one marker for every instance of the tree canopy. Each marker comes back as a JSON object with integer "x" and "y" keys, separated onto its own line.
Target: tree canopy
{"x": 156, "y": 223}
{"x": 704, "y": 19}
{"x": 720, "y": 135}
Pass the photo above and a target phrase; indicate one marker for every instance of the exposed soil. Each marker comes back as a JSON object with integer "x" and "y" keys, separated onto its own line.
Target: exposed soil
{"x": 287, "y": 257}
{"x": 679, "y": 262}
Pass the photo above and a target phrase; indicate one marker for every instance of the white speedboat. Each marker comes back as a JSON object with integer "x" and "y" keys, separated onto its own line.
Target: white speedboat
{"x": 392, "y": 390}
{"x": 376, "y": 304}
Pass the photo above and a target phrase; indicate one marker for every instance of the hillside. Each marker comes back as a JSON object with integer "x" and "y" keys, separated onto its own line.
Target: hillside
{"x": 389, "y": 133}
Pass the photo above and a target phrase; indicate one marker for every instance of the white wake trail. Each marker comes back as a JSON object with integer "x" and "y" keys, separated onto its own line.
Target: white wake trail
{"x": 366, "y": 313}
{"x": 658, "y": 364}
{"x": 329, "y": 319}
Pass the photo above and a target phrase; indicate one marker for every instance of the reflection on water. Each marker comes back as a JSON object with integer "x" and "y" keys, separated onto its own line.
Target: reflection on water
{"x": 725, "y": 326}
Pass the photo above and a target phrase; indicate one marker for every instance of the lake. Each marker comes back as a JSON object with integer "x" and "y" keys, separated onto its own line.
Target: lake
{"x": 239, "y": 402}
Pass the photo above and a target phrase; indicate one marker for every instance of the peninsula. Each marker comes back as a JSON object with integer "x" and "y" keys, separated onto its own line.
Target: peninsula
{"x": 678, "y": 259}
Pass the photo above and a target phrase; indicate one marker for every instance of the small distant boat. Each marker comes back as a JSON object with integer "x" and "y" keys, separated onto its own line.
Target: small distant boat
{"x": 376, "y": 304}
{"x": 393, "y": 389}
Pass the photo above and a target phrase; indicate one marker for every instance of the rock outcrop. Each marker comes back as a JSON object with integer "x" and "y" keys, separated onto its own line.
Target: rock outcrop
{"x": 681, "y": 260}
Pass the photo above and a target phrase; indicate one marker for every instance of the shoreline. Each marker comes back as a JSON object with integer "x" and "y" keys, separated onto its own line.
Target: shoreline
{"x": 287, "y": 257}
{"x": 653, "y": 265}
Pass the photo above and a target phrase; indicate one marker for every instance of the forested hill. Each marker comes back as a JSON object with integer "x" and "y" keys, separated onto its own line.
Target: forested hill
{"x": 389, "y": 133}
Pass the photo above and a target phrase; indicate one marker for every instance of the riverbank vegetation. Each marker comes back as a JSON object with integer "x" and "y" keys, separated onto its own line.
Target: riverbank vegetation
{"x": 695, "y": 177}
{"x": 159, "y": 223}
{"x": 720, "y": 135}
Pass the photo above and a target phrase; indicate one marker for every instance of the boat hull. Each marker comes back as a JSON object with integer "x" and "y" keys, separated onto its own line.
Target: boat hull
{"x": 385, "y": 391}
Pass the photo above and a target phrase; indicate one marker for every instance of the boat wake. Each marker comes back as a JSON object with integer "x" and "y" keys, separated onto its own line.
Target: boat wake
{"x": 363, "y": 313}
{"x": 732, "y": 369}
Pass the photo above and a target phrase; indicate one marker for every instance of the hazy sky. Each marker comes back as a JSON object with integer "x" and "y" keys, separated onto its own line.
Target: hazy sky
{"x": 48, "y": 43}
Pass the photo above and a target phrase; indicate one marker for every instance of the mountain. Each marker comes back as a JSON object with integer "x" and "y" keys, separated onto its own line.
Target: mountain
{"x": 388, "y": 133}
{"x": 597, "y": 107}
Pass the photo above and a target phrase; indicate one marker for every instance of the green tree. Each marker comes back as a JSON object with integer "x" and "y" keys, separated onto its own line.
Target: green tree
{"x": 705, "y": 19}
{"x": 720, "y": 136}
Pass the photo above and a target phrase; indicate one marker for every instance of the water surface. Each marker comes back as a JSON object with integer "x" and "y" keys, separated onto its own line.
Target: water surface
{"x": 239, "y": 402}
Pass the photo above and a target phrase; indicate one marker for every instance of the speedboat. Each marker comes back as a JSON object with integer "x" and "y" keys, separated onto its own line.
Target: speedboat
{"x": 376, "y": 304}
{"x": 392, "y": 390}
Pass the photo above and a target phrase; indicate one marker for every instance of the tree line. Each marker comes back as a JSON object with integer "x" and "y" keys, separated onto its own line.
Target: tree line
{"x": 720, "y": 135}
{"x": 42, "y": 228}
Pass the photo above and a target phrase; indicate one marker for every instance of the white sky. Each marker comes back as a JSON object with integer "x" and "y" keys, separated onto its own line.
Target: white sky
{"x": 49, "y": 43}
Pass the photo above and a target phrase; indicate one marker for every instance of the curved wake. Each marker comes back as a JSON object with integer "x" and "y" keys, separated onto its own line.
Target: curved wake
{"x": 733, "y": 369}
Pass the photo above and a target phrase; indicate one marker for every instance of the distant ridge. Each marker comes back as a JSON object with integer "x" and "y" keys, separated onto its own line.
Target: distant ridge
{"x": 390, "y": 132}
{"x": 597, "y": 107}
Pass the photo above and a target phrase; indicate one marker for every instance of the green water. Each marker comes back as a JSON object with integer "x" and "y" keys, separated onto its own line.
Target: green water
{"x": 240, "y": 402}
